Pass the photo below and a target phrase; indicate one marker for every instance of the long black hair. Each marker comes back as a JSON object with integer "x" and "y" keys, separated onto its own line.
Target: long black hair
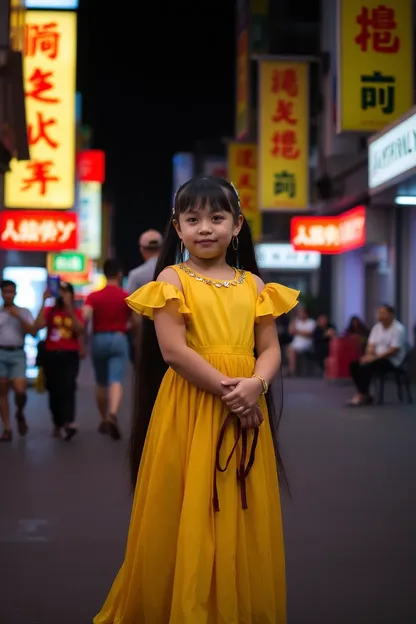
{"x": 219, "y": 195}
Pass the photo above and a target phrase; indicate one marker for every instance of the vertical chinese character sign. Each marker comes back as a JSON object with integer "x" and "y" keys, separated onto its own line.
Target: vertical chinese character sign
{"x": 375, "y": 65}
{"x": 242, "y": 171}
{"x": 283, "y": 135}
{"x": 48, "y": 179}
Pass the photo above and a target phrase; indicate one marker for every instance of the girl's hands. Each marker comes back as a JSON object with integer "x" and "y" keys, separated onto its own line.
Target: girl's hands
{"x": 244, "y": 395}
{"x": 252, "y": 419}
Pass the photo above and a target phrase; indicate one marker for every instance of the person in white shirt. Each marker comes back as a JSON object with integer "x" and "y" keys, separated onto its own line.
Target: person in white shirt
{"x": 301, "y": 329}
{"x": 15, "y": 323}
{"x": 386, "y": 350}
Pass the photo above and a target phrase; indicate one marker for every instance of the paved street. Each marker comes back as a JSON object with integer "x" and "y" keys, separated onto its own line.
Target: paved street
{"x": 350, "y": 528}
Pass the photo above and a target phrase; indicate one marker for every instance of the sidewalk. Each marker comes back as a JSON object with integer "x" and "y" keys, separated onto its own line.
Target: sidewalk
{"x": 349, "y": 528}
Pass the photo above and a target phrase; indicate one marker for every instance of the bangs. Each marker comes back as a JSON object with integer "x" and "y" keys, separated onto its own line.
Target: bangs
{"x": 201, "y": 193}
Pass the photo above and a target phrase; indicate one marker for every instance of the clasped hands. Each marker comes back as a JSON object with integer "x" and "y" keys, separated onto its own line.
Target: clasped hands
{"x": 241, "y": 399}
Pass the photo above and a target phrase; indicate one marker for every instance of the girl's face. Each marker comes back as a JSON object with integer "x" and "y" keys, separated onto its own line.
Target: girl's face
{"x": 205, "y": 233}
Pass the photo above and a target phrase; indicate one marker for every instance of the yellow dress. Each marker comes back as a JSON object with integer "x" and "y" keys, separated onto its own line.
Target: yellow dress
{"x": 186, "y": 563}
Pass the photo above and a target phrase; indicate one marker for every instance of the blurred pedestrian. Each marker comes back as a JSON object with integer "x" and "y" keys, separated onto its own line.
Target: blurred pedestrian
{"x": 108, "y": 311}
{"x": 301, "y": 328}
{"x": 15, "y": 323}
{"x": 150, "y": 243}
{"x": 60, "y": 357}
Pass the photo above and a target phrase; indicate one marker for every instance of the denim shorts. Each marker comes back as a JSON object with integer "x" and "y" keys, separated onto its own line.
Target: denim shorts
{"x": 12, "y": 364}
{"x": 110, "y": 355}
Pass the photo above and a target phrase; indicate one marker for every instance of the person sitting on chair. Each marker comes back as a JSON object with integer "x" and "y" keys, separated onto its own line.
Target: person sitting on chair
{"x": 301, "y": 329}
{"x": 385, "y": 351}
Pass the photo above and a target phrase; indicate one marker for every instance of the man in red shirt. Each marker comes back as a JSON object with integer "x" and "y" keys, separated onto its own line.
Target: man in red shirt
{"x": 110, "y": 316}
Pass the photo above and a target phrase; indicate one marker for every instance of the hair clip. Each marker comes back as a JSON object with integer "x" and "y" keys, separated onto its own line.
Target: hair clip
{"x": 237, "y": 195}
{"x": 173, "y": 210}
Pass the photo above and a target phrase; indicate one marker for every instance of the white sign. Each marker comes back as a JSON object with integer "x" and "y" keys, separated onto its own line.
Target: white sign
{"x": 69, "y": 5}
{"x": 392, "y": 154}
{"x": 282, "y": 256}
{"x": 89, "y": 219}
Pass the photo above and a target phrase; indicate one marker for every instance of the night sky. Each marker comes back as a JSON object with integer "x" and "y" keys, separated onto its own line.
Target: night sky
{"x": 153, "y": 84}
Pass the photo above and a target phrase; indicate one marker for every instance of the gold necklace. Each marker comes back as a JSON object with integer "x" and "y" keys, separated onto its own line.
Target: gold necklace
{"x": 217, "y": 283}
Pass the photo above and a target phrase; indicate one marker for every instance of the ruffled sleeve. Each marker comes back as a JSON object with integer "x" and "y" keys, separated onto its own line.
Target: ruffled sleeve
{"x": 275, "y": 300}
{"x": 155, "y": 295}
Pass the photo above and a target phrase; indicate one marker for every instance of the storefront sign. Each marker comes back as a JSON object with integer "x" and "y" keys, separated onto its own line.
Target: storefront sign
{"x": 71, "y": 266}
{"x": 375, "y": 63}
{"x": 283, "y": 135}
{"x": 391, "y": 154}
{"x": 69, "y": 262}
{"x": 91, "y": 166}
{"x": 36, "y": 230}
{"x": 90, "y": 219}
{"x": 47, "y": 180}
{"x": 242, "y": 171}
{"x": 279, "y": 256}
{"x": 329, "y": 235}
{"x": 242, "y": 106}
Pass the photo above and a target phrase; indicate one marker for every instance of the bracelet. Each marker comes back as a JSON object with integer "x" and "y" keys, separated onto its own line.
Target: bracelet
{"x": 263, "y": 382}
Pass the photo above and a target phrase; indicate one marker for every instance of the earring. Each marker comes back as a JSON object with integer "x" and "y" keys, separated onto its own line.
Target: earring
{"x": 182, "y": 248}
{"x": 235, "y": 242}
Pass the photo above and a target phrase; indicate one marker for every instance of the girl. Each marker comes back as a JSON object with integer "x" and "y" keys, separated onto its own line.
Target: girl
{"x": 205, "y": 543}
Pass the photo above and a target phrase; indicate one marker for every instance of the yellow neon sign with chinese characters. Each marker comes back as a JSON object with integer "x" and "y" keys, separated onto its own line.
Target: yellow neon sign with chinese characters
{"x": 48, "y": 179}
{"x": 375, "y": 63}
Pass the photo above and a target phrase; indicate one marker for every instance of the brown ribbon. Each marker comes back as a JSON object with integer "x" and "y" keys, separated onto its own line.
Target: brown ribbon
{"x": 242, "y": 470}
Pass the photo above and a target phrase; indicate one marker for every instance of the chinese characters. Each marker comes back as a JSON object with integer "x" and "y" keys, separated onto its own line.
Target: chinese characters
{"x": 284, "y": 139}
{"x": 329, "y": 235}
{"x": 246, "y": 182}
{"x": 377, "y": 33}
{"x": 378, "y": 91}
{"x": 42, "y": 41}
{"x": 377, "y": 30}
{"x": 243, "y": 172}
{"x": 285, "y": 182}
{"x": 37, "y": 231}
{"x": 40, "y": 175}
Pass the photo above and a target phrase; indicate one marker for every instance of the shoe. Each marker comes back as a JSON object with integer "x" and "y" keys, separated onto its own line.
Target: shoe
{"x": 114, "y": 430}
{"x": 104, "y": 427}
{"x": 70, "y": 432}
{"x": 21, "y": 424}
{"x": 7, "y": 436}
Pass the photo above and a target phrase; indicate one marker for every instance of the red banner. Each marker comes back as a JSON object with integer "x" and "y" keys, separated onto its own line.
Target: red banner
{"x": 38, "y": 230}
{"x": 91, "y": 166}
{"x": 329, "y": 235}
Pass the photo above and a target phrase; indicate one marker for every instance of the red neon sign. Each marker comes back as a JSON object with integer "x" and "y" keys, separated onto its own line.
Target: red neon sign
{"x": 38, "y": 230}
{"x": 329, "y": 235}
{"x": 91, "y": 166}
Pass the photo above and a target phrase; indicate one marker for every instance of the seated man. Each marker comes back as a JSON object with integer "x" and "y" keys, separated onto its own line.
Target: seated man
{"x": 301, "y": 329}
{"x": 386, "y": 349}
